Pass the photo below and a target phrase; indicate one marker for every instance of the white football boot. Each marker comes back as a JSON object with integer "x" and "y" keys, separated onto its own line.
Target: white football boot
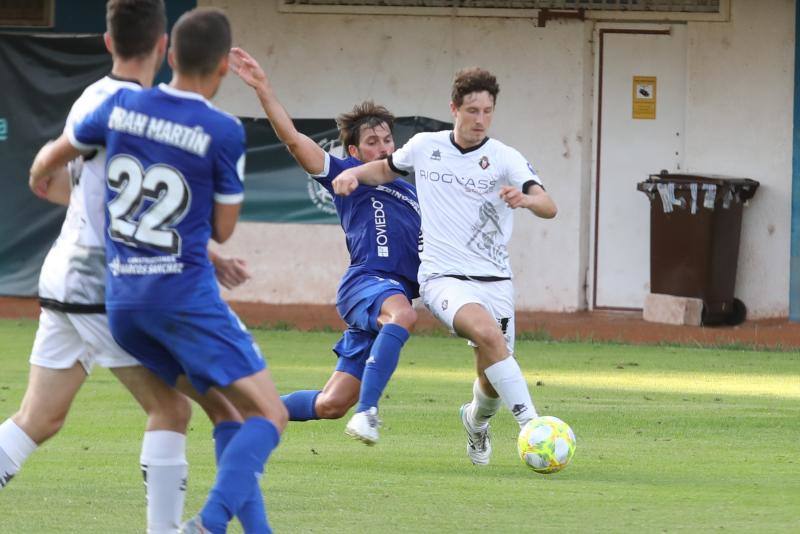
{"x": 363, "y": 426}
{"x": 479, "y": 443}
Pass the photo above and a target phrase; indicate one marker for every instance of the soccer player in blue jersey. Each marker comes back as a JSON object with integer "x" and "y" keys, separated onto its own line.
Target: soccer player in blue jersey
{"x": 382, "y": 228}
{"x": 469, "y": 186}
{"x": 73, "y": 335}
{"x": 174, "y": 173}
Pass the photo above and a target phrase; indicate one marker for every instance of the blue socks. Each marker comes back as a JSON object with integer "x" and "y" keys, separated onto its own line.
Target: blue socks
{"x": 381, "y": 364}
{"x": 241, "y": 463}
{"x": 252, "y": 514}
{"x": 300, "y": 404}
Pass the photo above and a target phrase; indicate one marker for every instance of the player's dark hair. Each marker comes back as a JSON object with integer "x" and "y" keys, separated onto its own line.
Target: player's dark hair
{"x": 200, "y": 39}
{"x": 135, "y": 26}
{"x": 367, "y": 113}
{"x": 473, "y": 80}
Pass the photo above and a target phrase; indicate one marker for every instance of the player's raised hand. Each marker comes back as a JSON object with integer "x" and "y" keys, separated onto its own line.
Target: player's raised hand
{"x": 513, "y": 197}
{"x": 246, "y": 68}
{"x": 345, "y": 183}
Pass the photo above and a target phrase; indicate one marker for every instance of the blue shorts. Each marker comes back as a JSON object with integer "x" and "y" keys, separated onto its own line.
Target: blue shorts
{"x": 360, "y": 307}
{"x": 210, "y": 345}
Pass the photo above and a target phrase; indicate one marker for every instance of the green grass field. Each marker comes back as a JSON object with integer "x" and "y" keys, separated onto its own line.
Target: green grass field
{"x": 669, "y": 439}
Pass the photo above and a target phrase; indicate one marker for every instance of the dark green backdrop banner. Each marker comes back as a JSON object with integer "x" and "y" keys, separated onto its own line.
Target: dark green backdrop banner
{"x": 41, "y": 77}
{"x": 278, "y": 190}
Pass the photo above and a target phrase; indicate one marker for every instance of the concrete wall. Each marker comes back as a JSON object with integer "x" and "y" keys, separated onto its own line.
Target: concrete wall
{"x": 739, "y": 122}
{"x": 322, "y": 64}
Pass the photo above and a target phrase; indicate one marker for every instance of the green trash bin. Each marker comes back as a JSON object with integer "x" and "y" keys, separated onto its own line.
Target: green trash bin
{"x": 695, "y": 224}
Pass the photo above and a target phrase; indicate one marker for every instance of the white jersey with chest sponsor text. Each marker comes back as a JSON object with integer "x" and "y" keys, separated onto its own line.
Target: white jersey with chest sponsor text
{"x": 73, "y": 274}
{"x": 466, "y": 227}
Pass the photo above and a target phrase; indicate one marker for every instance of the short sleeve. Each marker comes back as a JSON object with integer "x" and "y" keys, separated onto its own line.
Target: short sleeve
{"x": 402, "y": 160}
{"x": 333, "y": 167}
{"x": 519, "y": 172}
{"x": 229, "y": 167}
{"x": 89, "y": 132}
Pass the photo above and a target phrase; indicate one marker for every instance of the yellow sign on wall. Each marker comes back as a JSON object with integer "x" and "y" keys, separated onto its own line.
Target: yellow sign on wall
{"x": 644, "y": 97}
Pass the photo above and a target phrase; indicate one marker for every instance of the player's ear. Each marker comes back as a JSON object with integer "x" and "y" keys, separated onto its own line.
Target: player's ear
{"x": 161, "y": 45}
{"x": 171, "y": 58}
{"x": 453, "y": 108}
{"x": 352, "y": 150}
{"x": 222, "y": 68}
{"x": 109, "y": 43}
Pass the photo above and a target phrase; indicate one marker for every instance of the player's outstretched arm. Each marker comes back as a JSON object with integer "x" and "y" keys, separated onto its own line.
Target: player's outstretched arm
{"x": 537, "y": 200}
{"x": 48, "y": 164}
{"x": 231, "y": 272}
{"x": 305, "y": 150}
{"x": 373, "y": 173}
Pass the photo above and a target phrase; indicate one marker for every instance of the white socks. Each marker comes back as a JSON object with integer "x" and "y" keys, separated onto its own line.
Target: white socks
{"x": 506, "y": 378}
{"x": 165, "y": 469}
{"x": 483, "y": 407}
{"x": 163, "y": 462}
{"x": 15, "y": 447}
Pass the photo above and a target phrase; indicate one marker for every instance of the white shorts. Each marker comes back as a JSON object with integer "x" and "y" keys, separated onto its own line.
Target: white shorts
{"x": 65, "y": 338}
{"x": 444, "y": 296}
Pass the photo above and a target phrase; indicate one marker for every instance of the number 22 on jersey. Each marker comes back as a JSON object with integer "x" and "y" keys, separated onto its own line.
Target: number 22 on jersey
{"x": 153, "y": 228}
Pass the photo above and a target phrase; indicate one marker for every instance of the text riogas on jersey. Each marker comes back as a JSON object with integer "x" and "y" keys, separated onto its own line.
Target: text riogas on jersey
{"x": 476, "y": 185}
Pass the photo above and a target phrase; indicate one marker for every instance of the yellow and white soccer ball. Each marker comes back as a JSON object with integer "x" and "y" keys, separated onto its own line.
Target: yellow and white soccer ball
{"x": 546, "y": 444}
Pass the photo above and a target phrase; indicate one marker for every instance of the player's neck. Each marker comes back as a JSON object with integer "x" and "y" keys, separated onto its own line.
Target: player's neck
{"x": 204, "y": 86}
{"x": 466, "y": 143}
{"x": 143, "y": 71}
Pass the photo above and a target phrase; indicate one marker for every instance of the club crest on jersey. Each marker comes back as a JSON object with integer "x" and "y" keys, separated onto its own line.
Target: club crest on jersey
{"x": 484, "y": 163}
{"x": 436, "y": 156}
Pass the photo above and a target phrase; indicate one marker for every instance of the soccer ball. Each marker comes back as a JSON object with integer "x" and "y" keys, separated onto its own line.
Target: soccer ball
{"x": 546, "y": 444}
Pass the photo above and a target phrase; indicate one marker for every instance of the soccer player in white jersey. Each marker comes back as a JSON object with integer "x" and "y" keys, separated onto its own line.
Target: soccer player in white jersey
{"x": 73, "y": 332}
{"x": 468, "y": 186}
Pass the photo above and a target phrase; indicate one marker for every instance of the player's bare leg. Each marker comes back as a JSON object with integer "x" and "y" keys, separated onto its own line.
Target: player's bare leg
{"x": 396, "y": 309}
{"x": 163, "y": 456}
{"x": 499, "y": 375}
{"x": 498, "y": 372}
{"x": 396, "y": 319}
{"x": 216, "y": 405}
{"x": 338, "y": 396}
{"x": 332, "y": 402}
{"x": 41, "y": 415}
{"x": 166, "y": 408}
{"x": 47, "y": 400}
{"x": 256, "y": 396}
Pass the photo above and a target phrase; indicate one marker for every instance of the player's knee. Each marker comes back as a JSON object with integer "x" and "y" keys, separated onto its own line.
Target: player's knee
{"x": 219, "y": 412}
{"x": 405, "y": 317}
{"x": 173, "y": 413}
{"x": 489, "y": 336}
{"x": 183, "y": 411}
